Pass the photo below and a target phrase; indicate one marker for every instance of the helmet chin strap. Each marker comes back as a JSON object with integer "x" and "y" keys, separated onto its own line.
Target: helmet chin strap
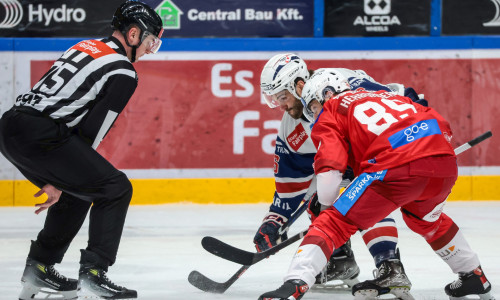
{"x": 132, "y": 58}
{"x": 134, "y": 47}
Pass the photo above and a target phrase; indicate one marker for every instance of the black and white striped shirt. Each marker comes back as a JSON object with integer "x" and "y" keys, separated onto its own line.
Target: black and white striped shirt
{"x": 90, "y": 80}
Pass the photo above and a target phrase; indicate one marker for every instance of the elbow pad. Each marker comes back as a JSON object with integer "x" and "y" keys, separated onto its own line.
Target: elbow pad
{"x": 328, "y": 186}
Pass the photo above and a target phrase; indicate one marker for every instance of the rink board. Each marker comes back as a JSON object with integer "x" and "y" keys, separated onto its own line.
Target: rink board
{"x": 194, "y": 112}
{"x": 228, "y": 191}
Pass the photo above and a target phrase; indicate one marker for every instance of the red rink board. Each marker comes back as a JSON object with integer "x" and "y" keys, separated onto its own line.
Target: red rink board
{"x": 208, "y": 114}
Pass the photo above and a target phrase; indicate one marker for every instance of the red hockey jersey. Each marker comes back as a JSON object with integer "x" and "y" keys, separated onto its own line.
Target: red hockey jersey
{"x": 374, "y": 131}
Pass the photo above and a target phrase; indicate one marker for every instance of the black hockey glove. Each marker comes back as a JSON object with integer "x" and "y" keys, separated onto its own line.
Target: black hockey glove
{"x": 314, "y": 208}
{"x": 348, "y": 174}
{"x": 267, "y": 236}
{"x": 410, "y": 93}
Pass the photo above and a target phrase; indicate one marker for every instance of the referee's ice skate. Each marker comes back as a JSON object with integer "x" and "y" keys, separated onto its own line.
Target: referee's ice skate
{"x": 340, "y": 273}
{"x": 93, "y": 281}
{"x": 390, "y": 278}
{"x": 470, "y": 284}
{"x": 41, "y": 281}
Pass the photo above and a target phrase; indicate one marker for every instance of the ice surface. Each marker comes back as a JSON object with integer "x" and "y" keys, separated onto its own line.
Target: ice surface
{"x": 161, "y": 246}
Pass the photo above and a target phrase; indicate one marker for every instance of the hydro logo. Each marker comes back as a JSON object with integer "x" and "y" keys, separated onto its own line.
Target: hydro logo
{"x": 13, "y": 13}
{"x": 496, "y": 19}
{"x": 61, "y": 14}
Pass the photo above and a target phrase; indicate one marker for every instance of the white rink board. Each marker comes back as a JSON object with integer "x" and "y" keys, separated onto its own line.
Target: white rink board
{"x": 161, "y": 245}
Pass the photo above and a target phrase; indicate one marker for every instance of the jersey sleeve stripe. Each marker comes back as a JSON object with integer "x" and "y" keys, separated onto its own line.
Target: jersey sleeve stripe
{"x": 292, "y": 186}
{"x": 292, "y": 194}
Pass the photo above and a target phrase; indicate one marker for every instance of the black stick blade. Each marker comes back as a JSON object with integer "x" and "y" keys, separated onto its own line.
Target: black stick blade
{"x": 226, "y": 251}
{"x": 206, "y": 284}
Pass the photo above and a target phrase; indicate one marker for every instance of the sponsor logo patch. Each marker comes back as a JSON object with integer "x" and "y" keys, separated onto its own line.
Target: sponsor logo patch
{"x": 297, "y": 138}
{"x": 414, "y": 132}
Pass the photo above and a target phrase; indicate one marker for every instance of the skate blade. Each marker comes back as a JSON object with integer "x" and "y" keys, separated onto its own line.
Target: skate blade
{"x": 335, "y": 286}
{"x": 373, "y": 294}
{"x": 30, "y": 291}
{"x": 86, "y": 291}
{"x": 486, "y": 296}
{"x": 402, "y": 293}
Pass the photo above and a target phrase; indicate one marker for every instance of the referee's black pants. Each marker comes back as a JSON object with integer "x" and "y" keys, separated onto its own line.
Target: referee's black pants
{"x": 46, "y": 152}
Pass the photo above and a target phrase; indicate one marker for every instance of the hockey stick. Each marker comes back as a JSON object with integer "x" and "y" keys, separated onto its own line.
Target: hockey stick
{"x": 247, "y": 259}
{"x": 243, "y": 257}
{"x": 228, "y": 252}
{"x": 206, "y": 284}
{"x": 473, "y": 142}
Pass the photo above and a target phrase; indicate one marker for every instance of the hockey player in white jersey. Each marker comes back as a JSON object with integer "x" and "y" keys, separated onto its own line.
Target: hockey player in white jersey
{"x": 282, "y": 80}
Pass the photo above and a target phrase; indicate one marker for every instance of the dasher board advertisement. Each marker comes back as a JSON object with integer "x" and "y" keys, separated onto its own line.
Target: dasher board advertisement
{"x": 237, "y": 18}
{"x": 377, "y": 18}
{"x": 73, "y": 18}
{"x": 181, "y": 18}
{"x": 463, "y": 17}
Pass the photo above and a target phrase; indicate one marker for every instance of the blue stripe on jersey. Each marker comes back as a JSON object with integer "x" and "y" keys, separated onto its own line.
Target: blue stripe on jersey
{"x": 414, "y": 132}
{"x": 344, "y": 203}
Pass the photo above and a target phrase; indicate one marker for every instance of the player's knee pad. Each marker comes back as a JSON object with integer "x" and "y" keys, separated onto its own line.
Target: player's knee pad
{"x": 429, "y": 230}
{"x": 316, "y": 236}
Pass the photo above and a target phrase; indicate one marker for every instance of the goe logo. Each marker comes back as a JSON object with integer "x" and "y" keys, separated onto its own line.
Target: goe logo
{"x": 413, "y": 130}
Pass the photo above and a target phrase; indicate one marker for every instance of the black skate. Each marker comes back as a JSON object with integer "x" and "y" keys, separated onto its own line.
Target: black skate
{"x": 93, "y": 280}
{"x": 390, "y": 278}
{"x": 471, "y": 283}
{"x": 341, "y": 267}
{"x": 44, "y": 279}
{"x": 290, "y": 290}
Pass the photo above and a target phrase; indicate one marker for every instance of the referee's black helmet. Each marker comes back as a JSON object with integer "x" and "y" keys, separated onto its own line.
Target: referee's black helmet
{"x": 137, "y": 13}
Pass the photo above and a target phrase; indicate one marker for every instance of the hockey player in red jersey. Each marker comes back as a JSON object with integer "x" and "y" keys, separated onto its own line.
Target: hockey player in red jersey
{"x": 282, "y": 80}
{"x": 403, "y": 158}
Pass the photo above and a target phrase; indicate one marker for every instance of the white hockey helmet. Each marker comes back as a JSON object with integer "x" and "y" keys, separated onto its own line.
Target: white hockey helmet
{"x": 280, "y": 73}
{"x": 322, "y": 85}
